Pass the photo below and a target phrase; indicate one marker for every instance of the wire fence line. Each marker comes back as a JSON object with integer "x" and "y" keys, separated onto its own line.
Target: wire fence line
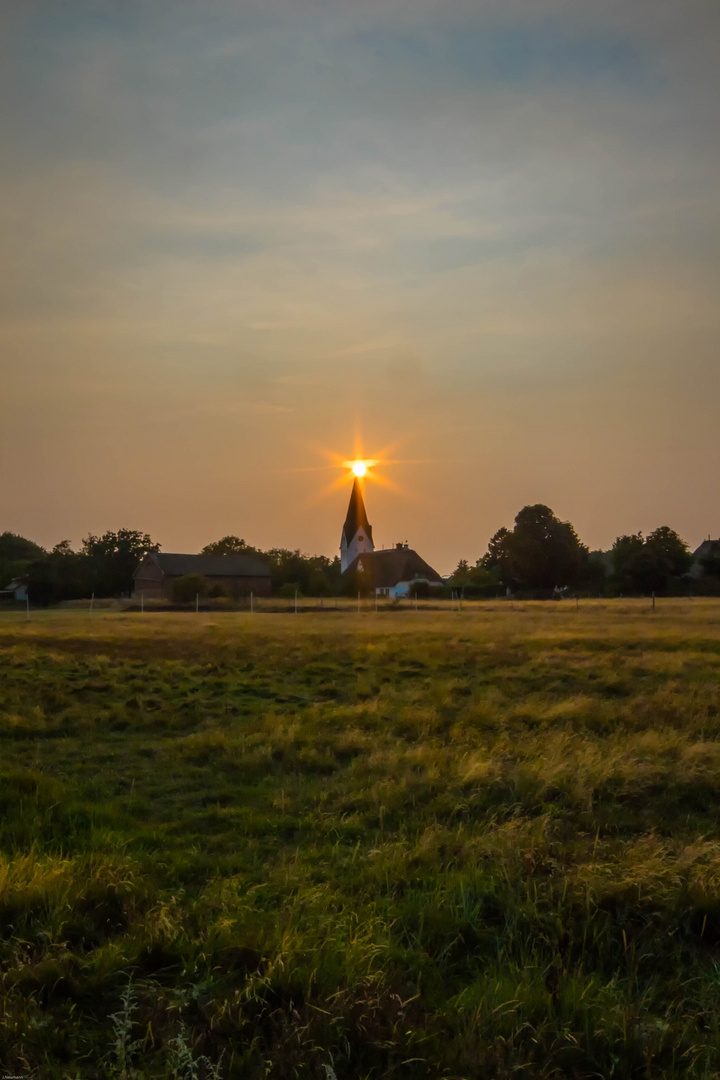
{"x": 332, "y": 606}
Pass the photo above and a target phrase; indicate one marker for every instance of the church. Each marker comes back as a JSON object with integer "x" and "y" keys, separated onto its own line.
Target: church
{"x": 392, "y": 572}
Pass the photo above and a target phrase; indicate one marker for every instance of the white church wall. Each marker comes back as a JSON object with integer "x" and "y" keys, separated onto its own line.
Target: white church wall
{"x": 359, "y": 545}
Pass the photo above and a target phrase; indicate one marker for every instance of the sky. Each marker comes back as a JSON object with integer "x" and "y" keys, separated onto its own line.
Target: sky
{"x": 483, "y": 236}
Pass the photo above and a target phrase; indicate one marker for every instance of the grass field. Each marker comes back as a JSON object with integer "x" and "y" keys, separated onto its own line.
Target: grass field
{"x": 416, "y": 844}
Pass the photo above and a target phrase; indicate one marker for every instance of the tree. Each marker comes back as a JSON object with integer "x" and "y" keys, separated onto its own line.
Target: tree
{"x": 544, "y": 551}
{"x": 16, "y": 555}
{"x": 599, "y": 568}
{"x": 646, "y": 564}
{"x": 477, "y": 579}
{"x": 113, "y": 559}
{"x": 624, "y": 551}
{"x": 462, "y": 574}
{"x": 16, "y": 548}
{"x": 314, "y": 575}
{"x": 63, "y": 547}
{"x": 497, "y": 557}
{"x": 64, "y": 574}
{"x": 541, "y": 552}
{"x": 228, "y": 545}
{"x": 670, "y": 551}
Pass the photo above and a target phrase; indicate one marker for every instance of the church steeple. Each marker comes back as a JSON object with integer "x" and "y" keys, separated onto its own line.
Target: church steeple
{"x": 356, "y": 536}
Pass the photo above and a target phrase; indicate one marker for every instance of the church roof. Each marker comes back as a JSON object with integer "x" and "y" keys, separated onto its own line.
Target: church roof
{"x": 356, "y": 515}
{"x": 176, "y": 565}
{"x": 384, "y": 569}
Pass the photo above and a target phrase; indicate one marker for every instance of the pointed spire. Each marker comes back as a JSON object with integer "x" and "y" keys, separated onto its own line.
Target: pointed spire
{"x": 357, "y": 531}
{"x": 356, "y": 516}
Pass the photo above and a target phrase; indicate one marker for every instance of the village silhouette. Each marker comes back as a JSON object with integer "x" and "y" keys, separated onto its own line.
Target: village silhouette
{"x": 541, "y": 557}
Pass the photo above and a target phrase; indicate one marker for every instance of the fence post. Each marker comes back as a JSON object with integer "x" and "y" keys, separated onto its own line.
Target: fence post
{"x": 251, "y": 603}
{"x": 197, "y": 603}
{"x": 92, "y": 601}
{"x": 142, "y": 601}
{"x": 296, "y": 600}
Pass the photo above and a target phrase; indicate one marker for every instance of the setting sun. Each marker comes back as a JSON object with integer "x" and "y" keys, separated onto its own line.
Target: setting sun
{"x": 359, "y": 468}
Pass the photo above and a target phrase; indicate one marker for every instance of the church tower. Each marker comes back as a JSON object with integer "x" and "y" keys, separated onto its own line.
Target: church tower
{"x": 356, "y": 536}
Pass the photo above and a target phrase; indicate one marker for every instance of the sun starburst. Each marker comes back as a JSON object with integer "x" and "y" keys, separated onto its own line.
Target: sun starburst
{"x": 359, "y": 468}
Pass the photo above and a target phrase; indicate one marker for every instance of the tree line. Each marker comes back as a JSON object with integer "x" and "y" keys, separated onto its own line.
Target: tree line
{"x": 542, "y": 555}
{"x": 539, "y": 556}
{"x": 105, "y": 565}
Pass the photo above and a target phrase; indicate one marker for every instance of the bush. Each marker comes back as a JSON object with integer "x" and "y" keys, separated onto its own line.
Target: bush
{"x": 188, "y": 587}
{"x": 218, "y": 592}
{"x": 287, "y": 591}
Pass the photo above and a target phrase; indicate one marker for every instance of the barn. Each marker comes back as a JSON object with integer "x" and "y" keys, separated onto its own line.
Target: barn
{"x": 239, "y": 575}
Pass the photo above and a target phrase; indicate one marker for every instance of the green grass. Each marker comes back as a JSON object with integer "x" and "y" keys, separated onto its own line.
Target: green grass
{"x": 412, "y": 844}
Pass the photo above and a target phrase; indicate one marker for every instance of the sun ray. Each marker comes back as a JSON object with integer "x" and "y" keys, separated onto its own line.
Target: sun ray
{"x": 366, "y": 469}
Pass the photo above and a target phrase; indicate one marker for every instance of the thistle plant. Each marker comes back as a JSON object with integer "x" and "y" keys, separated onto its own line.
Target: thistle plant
{"x": 125, "y": 1047}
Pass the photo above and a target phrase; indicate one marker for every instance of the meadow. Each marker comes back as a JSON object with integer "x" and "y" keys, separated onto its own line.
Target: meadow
{"x": 477, "y": 843}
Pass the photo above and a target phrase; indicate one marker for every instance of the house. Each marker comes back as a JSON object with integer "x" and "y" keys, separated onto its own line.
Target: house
{"x": 394, "y": 572}
{"x": 708, "y": 550}
{"x": 240, "y": 575}
{"x": 391, "y": 572}
{"x": 14, "y": 590}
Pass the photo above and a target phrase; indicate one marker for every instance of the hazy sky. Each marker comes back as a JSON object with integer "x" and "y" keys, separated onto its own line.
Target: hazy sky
{"x": 485, "y": 232}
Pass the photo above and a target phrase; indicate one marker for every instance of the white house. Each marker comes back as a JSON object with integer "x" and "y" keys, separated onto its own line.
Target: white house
{"x": 394, "y": 573}
{"x": 15, "y": 590}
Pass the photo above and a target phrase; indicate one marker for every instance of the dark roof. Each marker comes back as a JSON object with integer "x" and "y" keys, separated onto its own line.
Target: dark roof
{"x": 383, "y": 569}
{"x": 16, "y": 583}
{"x": 356, "y": 515}
{"x": 208, "y": 565}
{"x": 707, "y": 549}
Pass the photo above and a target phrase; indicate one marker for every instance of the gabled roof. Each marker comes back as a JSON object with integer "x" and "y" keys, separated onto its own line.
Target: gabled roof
{"x": 356, "y": 515}
{"x": 16, "y": 583}
{"x": 707, "y": 549}
{"x": 208, "y": 565}
{"x": 384, "y": 569}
